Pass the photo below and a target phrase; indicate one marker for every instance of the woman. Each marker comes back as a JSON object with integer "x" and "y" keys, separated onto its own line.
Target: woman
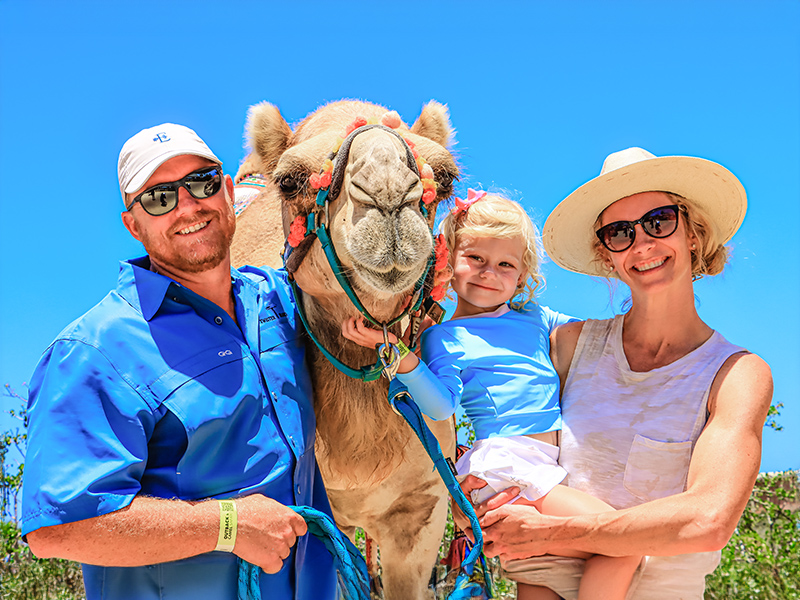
{"x": 662, "y": 416}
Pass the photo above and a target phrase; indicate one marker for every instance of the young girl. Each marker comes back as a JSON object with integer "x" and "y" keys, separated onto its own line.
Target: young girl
{"x": 492, "y": 357}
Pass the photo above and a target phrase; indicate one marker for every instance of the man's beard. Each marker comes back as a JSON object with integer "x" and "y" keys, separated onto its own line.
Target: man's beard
{"x": 206, "y": 256}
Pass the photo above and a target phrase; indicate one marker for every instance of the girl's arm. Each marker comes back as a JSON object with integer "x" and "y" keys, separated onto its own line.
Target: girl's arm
{"x": 433, "y": 397}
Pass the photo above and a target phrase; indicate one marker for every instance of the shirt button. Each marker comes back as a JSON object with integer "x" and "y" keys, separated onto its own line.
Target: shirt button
{"x": 298, "y": 488}
{"x": 218, "y": 320}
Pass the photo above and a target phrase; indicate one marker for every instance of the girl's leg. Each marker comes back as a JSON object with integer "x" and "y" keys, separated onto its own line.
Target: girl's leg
{"x": 535, "y": 592}
{"x": 605, "y": 577}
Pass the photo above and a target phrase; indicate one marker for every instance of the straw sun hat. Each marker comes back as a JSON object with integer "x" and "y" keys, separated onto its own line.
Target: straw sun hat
{"x": 568, "y": 233}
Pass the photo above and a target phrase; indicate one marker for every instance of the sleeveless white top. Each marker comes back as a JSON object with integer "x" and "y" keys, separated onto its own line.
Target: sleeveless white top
{"x": 628, "y": 437}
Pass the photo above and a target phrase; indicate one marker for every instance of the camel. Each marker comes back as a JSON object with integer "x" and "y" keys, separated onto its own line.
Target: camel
{"x": 377, "y": 475}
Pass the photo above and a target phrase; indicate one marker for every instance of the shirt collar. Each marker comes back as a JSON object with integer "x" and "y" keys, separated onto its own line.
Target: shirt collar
{"x": 498, "y": 312}
{"x": 141, "y": 287}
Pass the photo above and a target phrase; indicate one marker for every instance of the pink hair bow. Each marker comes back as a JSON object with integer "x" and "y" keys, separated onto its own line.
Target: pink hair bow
{"x": 463, "y": 205}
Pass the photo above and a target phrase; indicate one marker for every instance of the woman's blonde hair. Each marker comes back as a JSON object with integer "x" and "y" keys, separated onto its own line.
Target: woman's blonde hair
{"x": 493, "y": 216}
{"x": 710, "y": 256}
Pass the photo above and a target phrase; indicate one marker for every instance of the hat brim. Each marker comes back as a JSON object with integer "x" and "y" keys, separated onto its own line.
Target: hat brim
{"x": 568, "y": 233}
{"x": 147, "y": 171}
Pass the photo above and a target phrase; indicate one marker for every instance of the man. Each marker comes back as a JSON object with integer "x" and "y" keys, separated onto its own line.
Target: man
{"x": 184, "y": 386}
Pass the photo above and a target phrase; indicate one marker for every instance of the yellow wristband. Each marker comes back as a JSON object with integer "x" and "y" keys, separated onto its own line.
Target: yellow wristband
{"x": 404, "y": 351}
{"x": 227, "y": 526}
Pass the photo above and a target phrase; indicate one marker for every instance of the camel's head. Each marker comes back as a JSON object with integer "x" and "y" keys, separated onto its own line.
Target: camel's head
{"x": 379, "y": 224}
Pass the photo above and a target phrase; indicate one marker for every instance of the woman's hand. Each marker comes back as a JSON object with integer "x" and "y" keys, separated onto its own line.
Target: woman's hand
{"x": 470, "y": 483}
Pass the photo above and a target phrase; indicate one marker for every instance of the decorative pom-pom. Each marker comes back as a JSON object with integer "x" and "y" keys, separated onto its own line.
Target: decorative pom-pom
{"x": 359, "y": 122}
{"x": 441, "y": 253}
{"x": 314, "y": 182}
{"x": 428, "y": 196}
{"x": 428, "y": 184}
{"x": 325, "y": 179}
{"x": 327, "y": 166}
{"x": 437, "y": 293}
{"x": 426, "y": 172}
{"x": 409, "y": 142}
{"x": 297, "y": 231}
{"x": 391, "y": 119}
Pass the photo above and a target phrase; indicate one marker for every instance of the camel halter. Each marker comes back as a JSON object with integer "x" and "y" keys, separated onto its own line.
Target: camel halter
{"x": 316, "y": 228}
{"x": 388, "y": 354}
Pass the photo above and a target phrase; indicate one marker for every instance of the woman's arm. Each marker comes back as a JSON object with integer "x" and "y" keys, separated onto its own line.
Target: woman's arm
{"x": 722, "y": 472}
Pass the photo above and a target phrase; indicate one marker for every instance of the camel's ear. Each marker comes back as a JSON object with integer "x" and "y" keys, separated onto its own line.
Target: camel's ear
{"x": 434, "y": 124}
{"x": 268, "y": 135}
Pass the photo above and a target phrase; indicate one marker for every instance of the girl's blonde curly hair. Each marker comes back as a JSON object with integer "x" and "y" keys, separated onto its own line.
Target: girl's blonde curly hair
{"x": 493, "y": 216}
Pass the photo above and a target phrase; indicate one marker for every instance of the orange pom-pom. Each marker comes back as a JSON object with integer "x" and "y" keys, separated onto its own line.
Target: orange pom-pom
{"x": 325, "y": 179}
{"x": 314, "y": 182}
{"x": 409, "y": 142}
{"x": 441, "y": 253}
{"x": 428, "y": 196}
{"x": 428, "y": 184}
{"x": 437, "y": 293}
{"x": 297, "y": 231}
{"x": 391, "y": 119}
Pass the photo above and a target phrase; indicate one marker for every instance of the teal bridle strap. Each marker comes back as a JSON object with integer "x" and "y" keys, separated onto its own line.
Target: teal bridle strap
{"x": 365, "y": 373}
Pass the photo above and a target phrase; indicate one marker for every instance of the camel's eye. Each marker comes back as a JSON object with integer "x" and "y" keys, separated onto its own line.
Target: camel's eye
{"x": 290, "y": 183}
{"x": 445, "y": 180}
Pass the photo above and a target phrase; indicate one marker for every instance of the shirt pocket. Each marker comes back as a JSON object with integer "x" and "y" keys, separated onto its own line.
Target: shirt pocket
{"x": 656, "y": 469}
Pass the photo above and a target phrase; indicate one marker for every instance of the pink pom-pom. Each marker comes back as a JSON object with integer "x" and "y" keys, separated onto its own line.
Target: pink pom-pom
{"x": 391, "y": 119}
{"x": 359, "y": 122}
{"x": 297, "y": 231}
{"x": 426, "y": 172}
{"x": 428, "y": 196}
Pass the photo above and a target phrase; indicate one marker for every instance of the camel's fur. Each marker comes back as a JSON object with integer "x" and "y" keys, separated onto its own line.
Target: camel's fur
{"x": 375, "y": 470}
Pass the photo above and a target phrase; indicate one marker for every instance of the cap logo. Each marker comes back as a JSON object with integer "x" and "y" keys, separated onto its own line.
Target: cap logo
{"x": 161, "y": 137}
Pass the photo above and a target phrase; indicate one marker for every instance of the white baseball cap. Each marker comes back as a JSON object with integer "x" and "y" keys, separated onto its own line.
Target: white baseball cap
{"x": 150, "y": 148}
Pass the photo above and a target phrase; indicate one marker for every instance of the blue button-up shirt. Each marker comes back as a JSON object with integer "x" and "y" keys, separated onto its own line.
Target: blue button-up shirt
{"x": 156, "y": 391}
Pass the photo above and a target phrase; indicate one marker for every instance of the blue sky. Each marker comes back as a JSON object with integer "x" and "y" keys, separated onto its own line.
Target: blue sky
{"x": 538, "y": 92}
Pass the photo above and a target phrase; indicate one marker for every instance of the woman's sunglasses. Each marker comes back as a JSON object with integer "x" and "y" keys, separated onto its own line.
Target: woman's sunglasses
{"x": 162, "y": 198}
{"x": 660, "y": 222}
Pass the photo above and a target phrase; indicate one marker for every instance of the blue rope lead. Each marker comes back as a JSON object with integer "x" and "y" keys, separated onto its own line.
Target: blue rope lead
{"x": 402, "y": 402}
{"x": 350, "y": 565}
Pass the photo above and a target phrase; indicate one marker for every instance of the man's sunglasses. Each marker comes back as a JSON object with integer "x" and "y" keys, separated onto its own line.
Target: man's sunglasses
{"x": 660, "y": 222}
{"x": 162, "y": 198}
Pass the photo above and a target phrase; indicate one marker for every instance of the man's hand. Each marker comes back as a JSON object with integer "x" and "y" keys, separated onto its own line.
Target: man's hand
{"x": 267, "y": 531}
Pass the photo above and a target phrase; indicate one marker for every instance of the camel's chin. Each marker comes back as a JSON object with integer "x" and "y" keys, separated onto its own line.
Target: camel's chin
{"x": 389, "y": 282}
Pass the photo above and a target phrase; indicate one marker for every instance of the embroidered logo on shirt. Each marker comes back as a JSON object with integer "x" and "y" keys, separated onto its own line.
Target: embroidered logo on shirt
{"x": 161, "y": 137}
{"x": 225, "y": 353}
{"x": 276, "y": 314}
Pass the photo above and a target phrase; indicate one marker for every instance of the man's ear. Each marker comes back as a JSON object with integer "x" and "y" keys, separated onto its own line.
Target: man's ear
{"x": 228, "y": 186}
{"x": 130, "y": 224}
